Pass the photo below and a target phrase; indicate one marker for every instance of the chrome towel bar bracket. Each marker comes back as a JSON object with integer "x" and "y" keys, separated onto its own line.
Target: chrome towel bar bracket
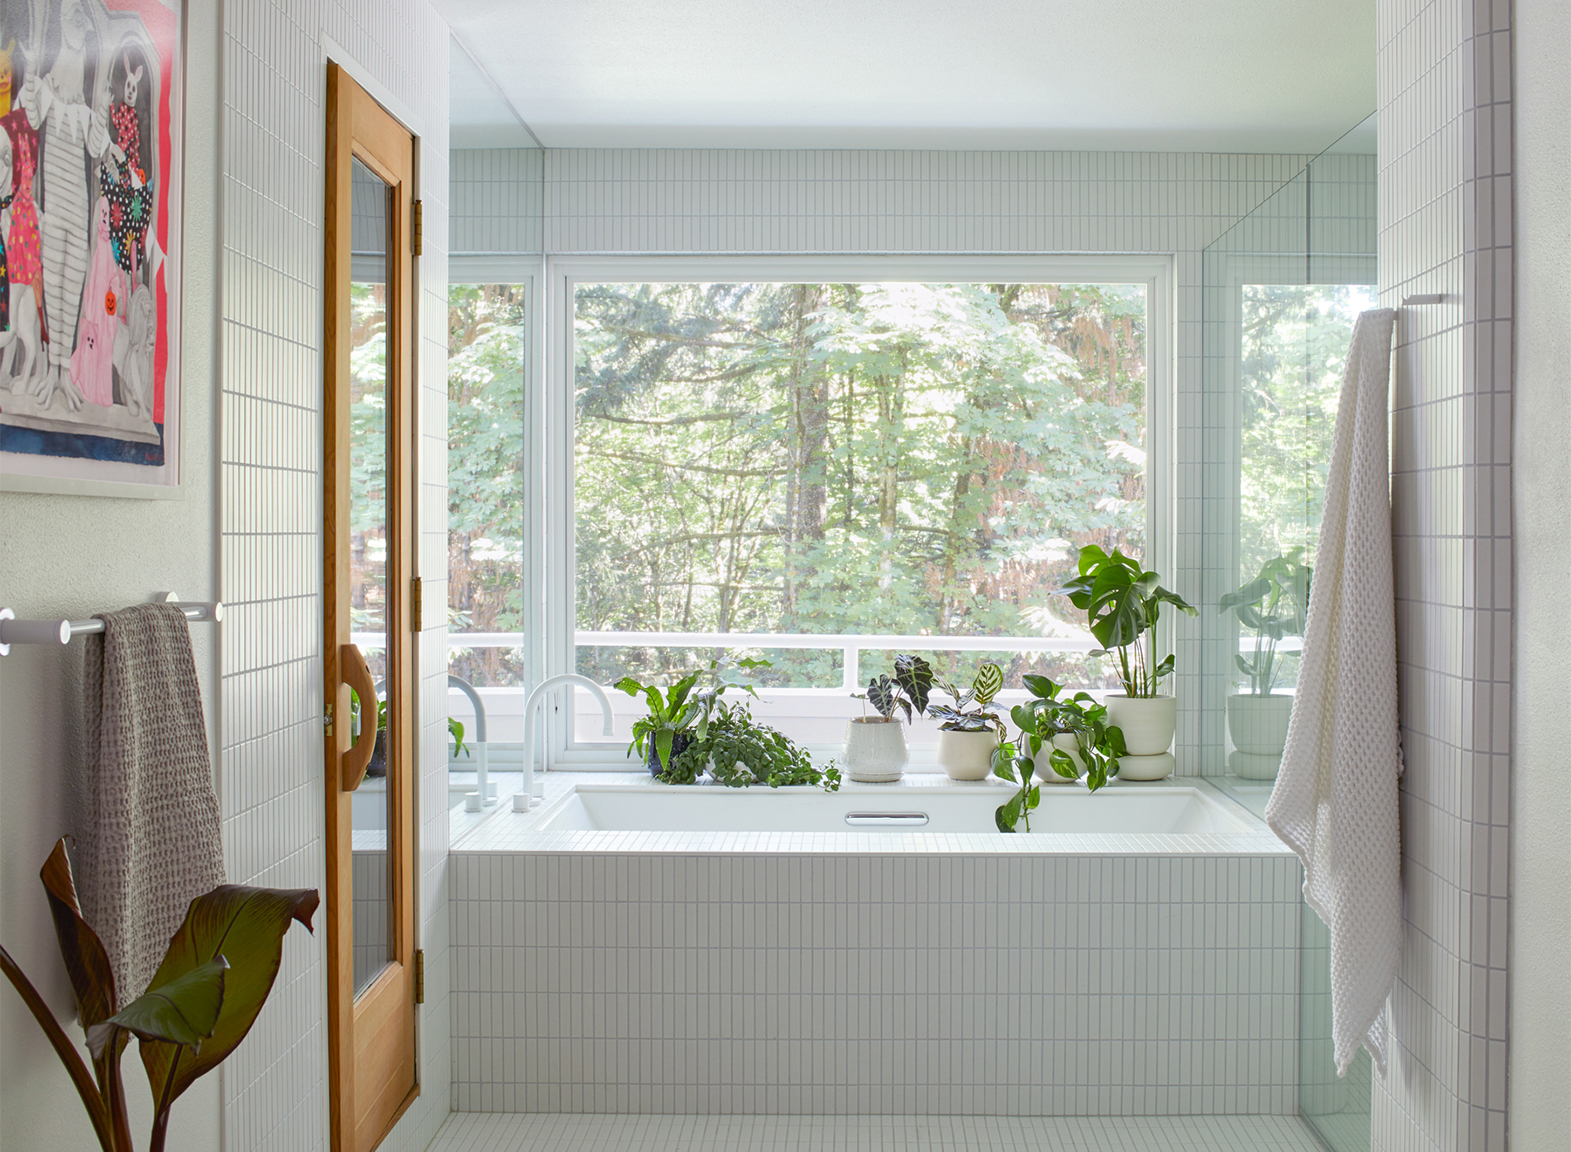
{"x": 14, "y": 631}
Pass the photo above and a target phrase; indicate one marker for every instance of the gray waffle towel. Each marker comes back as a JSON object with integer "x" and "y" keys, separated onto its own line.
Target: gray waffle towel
{"x": 150, "y": 843}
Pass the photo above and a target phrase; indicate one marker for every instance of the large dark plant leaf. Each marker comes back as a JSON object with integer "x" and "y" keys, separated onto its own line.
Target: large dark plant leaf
{"x": 86, "y": 961}
{"x": 183, "y": 1011}
{"x": 246, "y": 926}
{"x": 915, "y": 677}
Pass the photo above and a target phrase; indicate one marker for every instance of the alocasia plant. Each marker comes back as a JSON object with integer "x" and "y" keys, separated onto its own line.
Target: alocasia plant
{"x": 201, "y": 1002}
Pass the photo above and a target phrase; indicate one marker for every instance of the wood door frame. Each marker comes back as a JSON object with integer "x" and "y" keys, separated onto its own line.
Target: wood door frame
{"x": 371, "y": 1038}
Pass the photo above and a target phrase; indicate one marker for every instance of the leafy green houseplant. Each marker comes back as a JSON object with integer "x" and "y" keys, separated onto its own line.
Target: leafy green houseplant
{"x": 1078, "y": 739}
{"x": 875, "y": 747}
{"x": 737, "y": 751}
{"x": 969, "y": 730}
{"x": 680, "y": 714}
{"x": 1123, "y": 603}
{"x": 1274, "y": 605}
{"x": 201, "y": 1002}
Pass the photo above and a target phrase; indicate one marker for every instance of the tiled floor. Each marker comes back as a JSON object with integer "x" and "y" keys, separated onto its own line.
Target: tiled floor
{"x": 478, "y": 1132}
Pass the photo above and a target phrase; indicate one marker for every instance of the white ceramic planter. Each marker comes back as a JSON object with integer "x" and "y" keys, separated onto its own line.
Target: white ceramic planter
{"x": 1148, "y": 723}
{"x": 1157, "y": 767}
{"x": 875, "y": 751}
{"x": 1253, "y": 767}
{"x": 966, "y": 755}
{"x": 1064, "y": 743}
{"x": 1258, "y": 724}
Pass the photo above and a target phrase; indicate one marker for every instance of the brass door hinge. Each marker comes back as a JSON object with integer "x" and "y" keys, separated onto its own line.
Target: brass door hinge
{"x": 417, "y": 605}
{"x": 419, "y": 975}
{"x": 419, "y": 236}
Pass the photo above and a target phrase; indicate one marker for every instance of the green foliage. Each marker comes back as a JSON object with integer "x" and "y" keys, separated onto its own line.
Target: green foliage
{"x": 679, "y": 709}
{"x": 1122, "y": 603}
{"x": 908, "y": 690}
{"x": 455, "y": 729}
{"x": 739, "y": 751}
{"x": 199, "y": 1006}
{"x": 1049, "y": 714}
{"x": 900, "y": 458}
{"x": 1010, "y": 765}
{"x": 1272, "y": 605}
{"x": 989, "y": 679}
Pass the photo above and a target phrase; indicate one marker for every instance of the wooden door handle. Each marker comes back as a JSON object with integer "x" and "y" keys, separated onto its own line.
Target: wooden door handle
{"x": 355, "y": 673}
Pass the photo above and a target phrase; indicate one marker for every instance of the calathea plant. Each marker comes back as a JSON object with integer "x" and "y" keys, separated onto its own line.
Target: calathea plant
{"x": 1123, "y": 603}
{"x": 989, "y": 679}
{"x": 679, "y": 714}
{"x": 1274, "y": 605}
{"x": 908, "y": 690}
{"x": 200, "y": 1004}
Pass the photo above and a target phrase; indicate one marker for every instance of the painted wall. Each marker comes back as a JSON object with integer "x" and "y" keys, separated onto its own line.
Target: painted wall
{"x": 74, "y": 556}
{"x": 1445, "y": 227}
{"x": 275, "y": 1088}
{"x": 1540, "y": 1086}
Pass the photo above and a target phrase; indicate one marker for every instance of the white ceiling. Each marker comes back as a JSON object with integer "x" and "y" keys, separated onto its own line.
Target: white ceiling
{"x": 1190, "y": 75}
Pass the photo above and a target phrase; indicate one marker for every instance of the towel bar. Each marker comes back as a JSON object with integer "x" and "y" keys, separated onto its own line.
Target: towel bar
{"x": 14, "y": 631}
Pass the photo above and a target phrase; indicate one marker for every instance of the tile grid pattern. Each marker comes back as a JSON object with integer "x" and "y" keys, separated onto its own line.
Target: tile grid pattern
{"x": 1444, "y": 77}
{"x": 496, "y": 197}
{"x": 685, "y": 201}
{"x": 578, "y": 1133}
{"x": 832, "y": 984}
{"x": 274, "y": 1087}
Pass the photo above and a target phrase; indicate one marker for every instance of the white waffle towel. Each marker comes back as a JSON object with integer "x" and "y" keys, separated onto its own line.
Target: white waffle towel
{"x": 1335, "y": 800}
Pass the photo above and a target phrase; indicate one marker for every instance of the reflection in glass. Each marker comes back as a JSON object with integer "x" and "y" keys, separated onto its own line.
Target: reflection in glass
{"x": 369, "y": 245}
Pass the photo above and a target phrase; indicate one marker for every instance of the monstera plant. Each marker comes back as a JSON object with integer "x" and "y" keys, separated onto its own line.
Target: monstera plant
{"x": 201, "y": 1002}
{"x": 1274, "y": 605}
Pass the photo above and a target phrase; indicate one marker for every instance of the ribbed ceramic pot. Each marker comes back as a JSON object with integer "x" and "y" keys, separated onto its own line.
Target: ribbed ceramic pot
{"x": 1064, "y": 742}
{"x": 1258, "y": 724}
{"x": 1157, "y": 767}
{"x": 875, "y": 751}
{"x": 966, "y": 755}
{"x": 1148, "y": 722}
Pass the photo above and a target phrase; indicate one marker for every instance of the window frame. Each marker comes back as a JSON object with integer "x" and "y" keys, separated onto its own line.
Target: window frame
{"x": 556, "y": 532}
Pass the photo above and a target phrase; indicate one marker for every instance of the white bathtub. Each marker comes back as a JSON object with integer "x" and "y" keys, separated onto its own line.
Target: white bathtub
{"x": 1128, "y": 808}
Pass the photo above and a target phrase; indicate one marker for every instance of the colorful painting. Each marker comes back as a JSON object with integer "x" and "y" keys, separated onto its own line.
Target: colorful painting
{"x": 89, "y": 199}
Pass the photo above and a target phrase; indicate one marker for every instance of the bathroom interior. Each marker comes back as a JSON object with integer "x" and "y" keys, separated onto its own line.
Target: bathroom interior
{"x": 698, "y": 372}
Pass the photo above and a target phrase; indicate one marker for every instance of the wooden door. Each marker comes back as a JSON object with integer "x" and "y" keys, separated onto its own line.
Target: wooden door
{"x": 368, "y": 552}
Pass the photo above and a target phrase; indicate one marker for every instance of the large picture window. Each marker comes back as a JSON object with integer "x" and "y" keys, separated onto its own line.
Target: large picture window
{"x": 821, "y": 472}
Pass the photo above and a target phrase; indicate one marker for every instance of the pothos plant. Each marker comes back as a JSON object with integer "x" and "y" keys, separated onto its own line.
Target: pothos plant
{"x": 1123, "y": 603}
{"x": 1274, "y": 605}
{"x": 989, "y": 679}
{"x": 739, "y": 751}
{"x": 1041, "y": 721}
{"x": 681, "y": 713}
{"x": 200, "y": 1004}
{"x": 908, "y": 690}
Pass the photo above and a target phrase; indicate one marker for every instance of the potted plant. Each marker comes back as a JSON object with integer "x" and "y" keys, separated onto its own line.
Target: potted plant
{"x": 875, "y": 748}
{"x": 737, "y": 751}
{"x": 679, "y": 715}
{"x": 1123, "y": 603}
{"x": 1274, "y": 605}
{"x": 967, "y": 737}
{"x": 202, "y": 1001}
{"x": 1073, "y": 731}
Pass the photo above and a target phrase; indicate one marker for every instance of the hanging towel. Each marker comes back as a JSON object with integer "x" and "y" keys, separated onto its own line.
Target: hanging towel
{"x": 1335, "y": 800}
{"x": 149, "y": 842}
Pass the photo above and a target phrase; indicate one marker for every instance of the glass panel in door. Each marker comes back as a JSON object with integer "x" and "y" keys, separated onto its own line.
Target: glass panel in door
{"x": 370, "y": 513}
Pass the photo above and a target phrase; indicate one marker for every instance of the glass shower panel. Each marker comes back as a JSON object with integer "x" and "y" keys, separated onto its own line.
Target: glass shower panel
{"x": 1282, "y": 290}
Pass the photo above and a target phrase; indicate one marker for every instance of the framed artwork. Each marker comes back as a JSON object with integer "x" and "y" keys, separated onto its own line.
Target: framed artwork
{"x": 90, "y": 191}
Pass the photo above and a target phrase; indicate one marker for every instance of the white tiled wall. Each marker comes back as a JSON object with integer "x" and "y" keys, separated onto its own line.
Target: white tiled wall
{"x": 897, "y": 985}
{"x": 273, "y": 78}
{"x": 1445, "y": 227}
{"x": 497, "y": 194}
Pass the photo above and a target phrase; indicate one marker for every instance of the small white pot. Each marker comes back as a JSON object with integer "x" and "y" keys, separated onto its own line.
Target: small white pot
{"x": 1258, "y": 724}
{"x": 875, "y": 751}
{"x": 1157, "y": 767}
{"x": 966, "y": 755}
{"x": 1064, "y": 742}
{"x": 1148, "y": 723}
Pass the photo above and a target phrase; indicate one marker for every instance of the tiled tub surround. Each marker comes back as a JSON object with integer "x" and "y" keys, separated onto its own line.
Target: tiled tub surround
{"x": 873, "y": 972}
